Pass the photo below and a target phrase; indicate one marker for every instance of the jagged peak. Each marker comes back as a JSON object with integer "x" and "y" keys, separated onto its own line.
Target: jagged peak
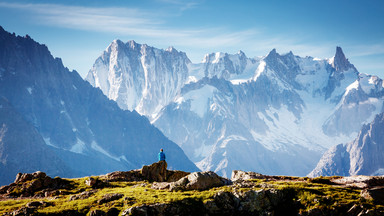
{"x": 171, "y": 49}
{"x": 132, "y": 44}
{"x": 272, "y": 55}
{"x": 339, "y": 61}
{"x": 272, "y": 52}
{"x": 241, "y": 53}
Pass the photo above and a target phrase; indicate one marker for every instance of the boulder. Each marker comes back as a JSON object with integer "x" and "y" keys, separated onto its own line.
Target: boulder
{"x": 90, "y": 182}
{"x": 155, "y": 172}
{"x": 175, "y": 175}
{"x": 238, "y": 175}
{"x": 133, "y": 175}
{"x": 360, "y": 181}
{"x": 109, "y": 197}
{"x": 199, "y": 181}
{"x": 83, "y": 195}
{"x": 30, "y": 184}
{"x": 36, "y": 204}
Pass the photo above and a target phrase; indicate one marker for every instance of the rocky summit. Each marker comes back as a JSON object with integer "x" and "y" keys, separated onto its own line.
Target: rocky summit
{"x": 154, "y": 190}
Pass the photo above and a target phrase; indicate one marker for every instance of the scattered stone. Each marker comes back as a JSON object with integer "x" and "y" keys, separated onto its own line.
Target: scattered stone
{"x": 161, "y": 185}
{"x": 23, "y": 211}
{"x": 83, "y": 195}
{"x": 90, "y": 182}
{"x": 36, "y": 204}
{"x": 238, "y": 175}
{"x": 109, "y": 197}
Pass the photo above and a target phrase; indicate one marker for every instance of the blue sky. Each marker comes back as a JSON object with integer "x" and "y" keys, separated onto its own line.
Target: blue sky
{"x": 78, "y": 31}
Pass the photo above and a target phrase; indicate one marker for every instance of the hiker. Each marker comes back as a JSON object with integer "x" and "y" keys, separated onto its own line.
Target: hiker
{"x": 161, "y": 155}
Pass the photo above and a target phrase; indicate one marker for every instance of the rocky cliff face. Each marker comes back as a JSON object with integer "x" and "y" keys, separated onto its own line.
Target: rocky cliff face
{"x": 363, "y": 156}
{"x": 88, "y": 132}
{"x": 139, "y": 77}
{"x": 275, "y": 114}
{"x": 22, "y": 148}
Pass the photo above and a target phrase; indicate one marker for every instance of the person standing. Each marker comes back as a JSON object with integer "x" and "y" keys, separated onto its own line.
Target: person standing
{"x": 161, "y": 155}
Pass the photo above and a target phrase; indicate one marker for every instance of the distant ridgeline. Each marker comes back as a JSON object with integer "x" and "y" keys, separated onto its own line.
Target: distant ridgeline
{"x": 52, "y": 120}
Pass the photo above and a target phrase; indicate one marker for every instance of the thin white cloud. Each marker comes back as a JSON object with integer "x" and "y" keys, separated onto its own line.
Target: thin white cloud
{"x": 153, "y": 27}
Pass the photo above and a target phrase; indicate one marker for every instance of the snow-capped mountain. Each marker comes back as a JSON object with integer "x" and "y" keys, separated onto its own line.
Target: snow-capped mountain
{"x": 275, "y": 114}
{"x": 139, "y": 77}
{"x": 363, "y": 156}
{"x": 63, "y": 114}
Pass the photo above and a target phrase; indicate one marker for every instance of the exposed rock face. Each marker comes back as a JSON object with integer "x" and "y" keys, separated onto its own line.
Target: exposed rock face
{"x": 199, "y": 181}
{"x": 30, "y": 184}
{"x": 275, "y": 114}
{"x": 155, "y": 172}
{"x": 22, "y": 148}
{"x": 139, "y": 77}
{"x": 195, "y": 181}
{"x": 363, "y": 156}
{"x": 263, "y": 202}
{"x": 238, "y": 175}
{"x": 69, "y": 128}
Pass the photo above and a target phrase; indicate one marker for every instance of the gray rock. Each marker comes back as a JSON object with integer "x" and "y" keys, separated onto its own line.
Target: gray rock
{"x": 110, "y": 197}
{"x": 238, "y": 175}
{"x": 155, "y": 172}
{"x": 363, "y": 156}
{"x": 199, "y": 181}
{"x": 82, "y": 195}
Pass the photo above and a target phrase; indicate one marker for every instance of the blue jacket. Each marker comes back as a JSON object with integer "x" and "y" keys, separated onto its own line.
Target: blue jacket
{"x": 161, "y": 156}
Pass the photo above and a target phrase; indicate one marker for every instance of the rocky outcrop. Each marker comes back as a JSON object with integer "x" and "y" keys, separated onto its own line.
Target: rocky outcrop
{"x": 194, "y": 181}
{"x": 33, "y": 184}
{"x": 238, "y": 175}
{"x": 269, "y": 195}
{"x": 262, "y": 202}
{"x": 156, "y": 172}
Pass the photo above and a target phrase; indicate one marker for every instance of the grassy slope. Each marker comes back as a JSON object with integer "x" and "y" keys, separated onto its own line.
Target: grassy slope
{"x": 311, "y": 193}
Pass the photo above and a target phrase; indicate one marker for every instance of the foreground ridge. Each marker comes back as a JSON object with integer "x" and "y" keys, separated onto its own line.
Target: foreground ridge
{"x": 154, "y": 190}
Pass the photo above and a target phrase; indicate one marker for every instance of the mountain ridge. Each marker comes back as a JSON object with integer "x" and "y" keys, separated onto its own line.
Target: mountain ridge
{"x": 283, "y": 105}
{"x": 88, "y": 132}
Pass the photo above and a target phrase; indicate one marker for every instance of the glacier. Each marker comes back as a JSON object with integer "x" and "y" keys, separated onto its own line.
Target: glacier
{"x": 275, "y": 114}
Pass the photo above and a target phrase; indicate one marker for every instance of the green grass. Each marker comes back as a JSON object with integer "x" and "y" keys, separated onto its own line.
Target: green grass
{"x": 310, "y": 193}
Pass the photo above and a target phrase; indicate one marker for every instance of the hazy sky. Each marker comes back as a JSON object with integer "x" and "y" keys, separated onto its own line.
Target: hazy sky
{"x": 78, "y": 31}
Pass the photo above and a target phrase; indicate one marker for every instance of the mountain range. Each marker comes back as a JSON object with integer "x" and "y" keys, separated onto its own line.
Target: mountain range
{"x": 275, "y": 114}
{"x": 52, "y": 120}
